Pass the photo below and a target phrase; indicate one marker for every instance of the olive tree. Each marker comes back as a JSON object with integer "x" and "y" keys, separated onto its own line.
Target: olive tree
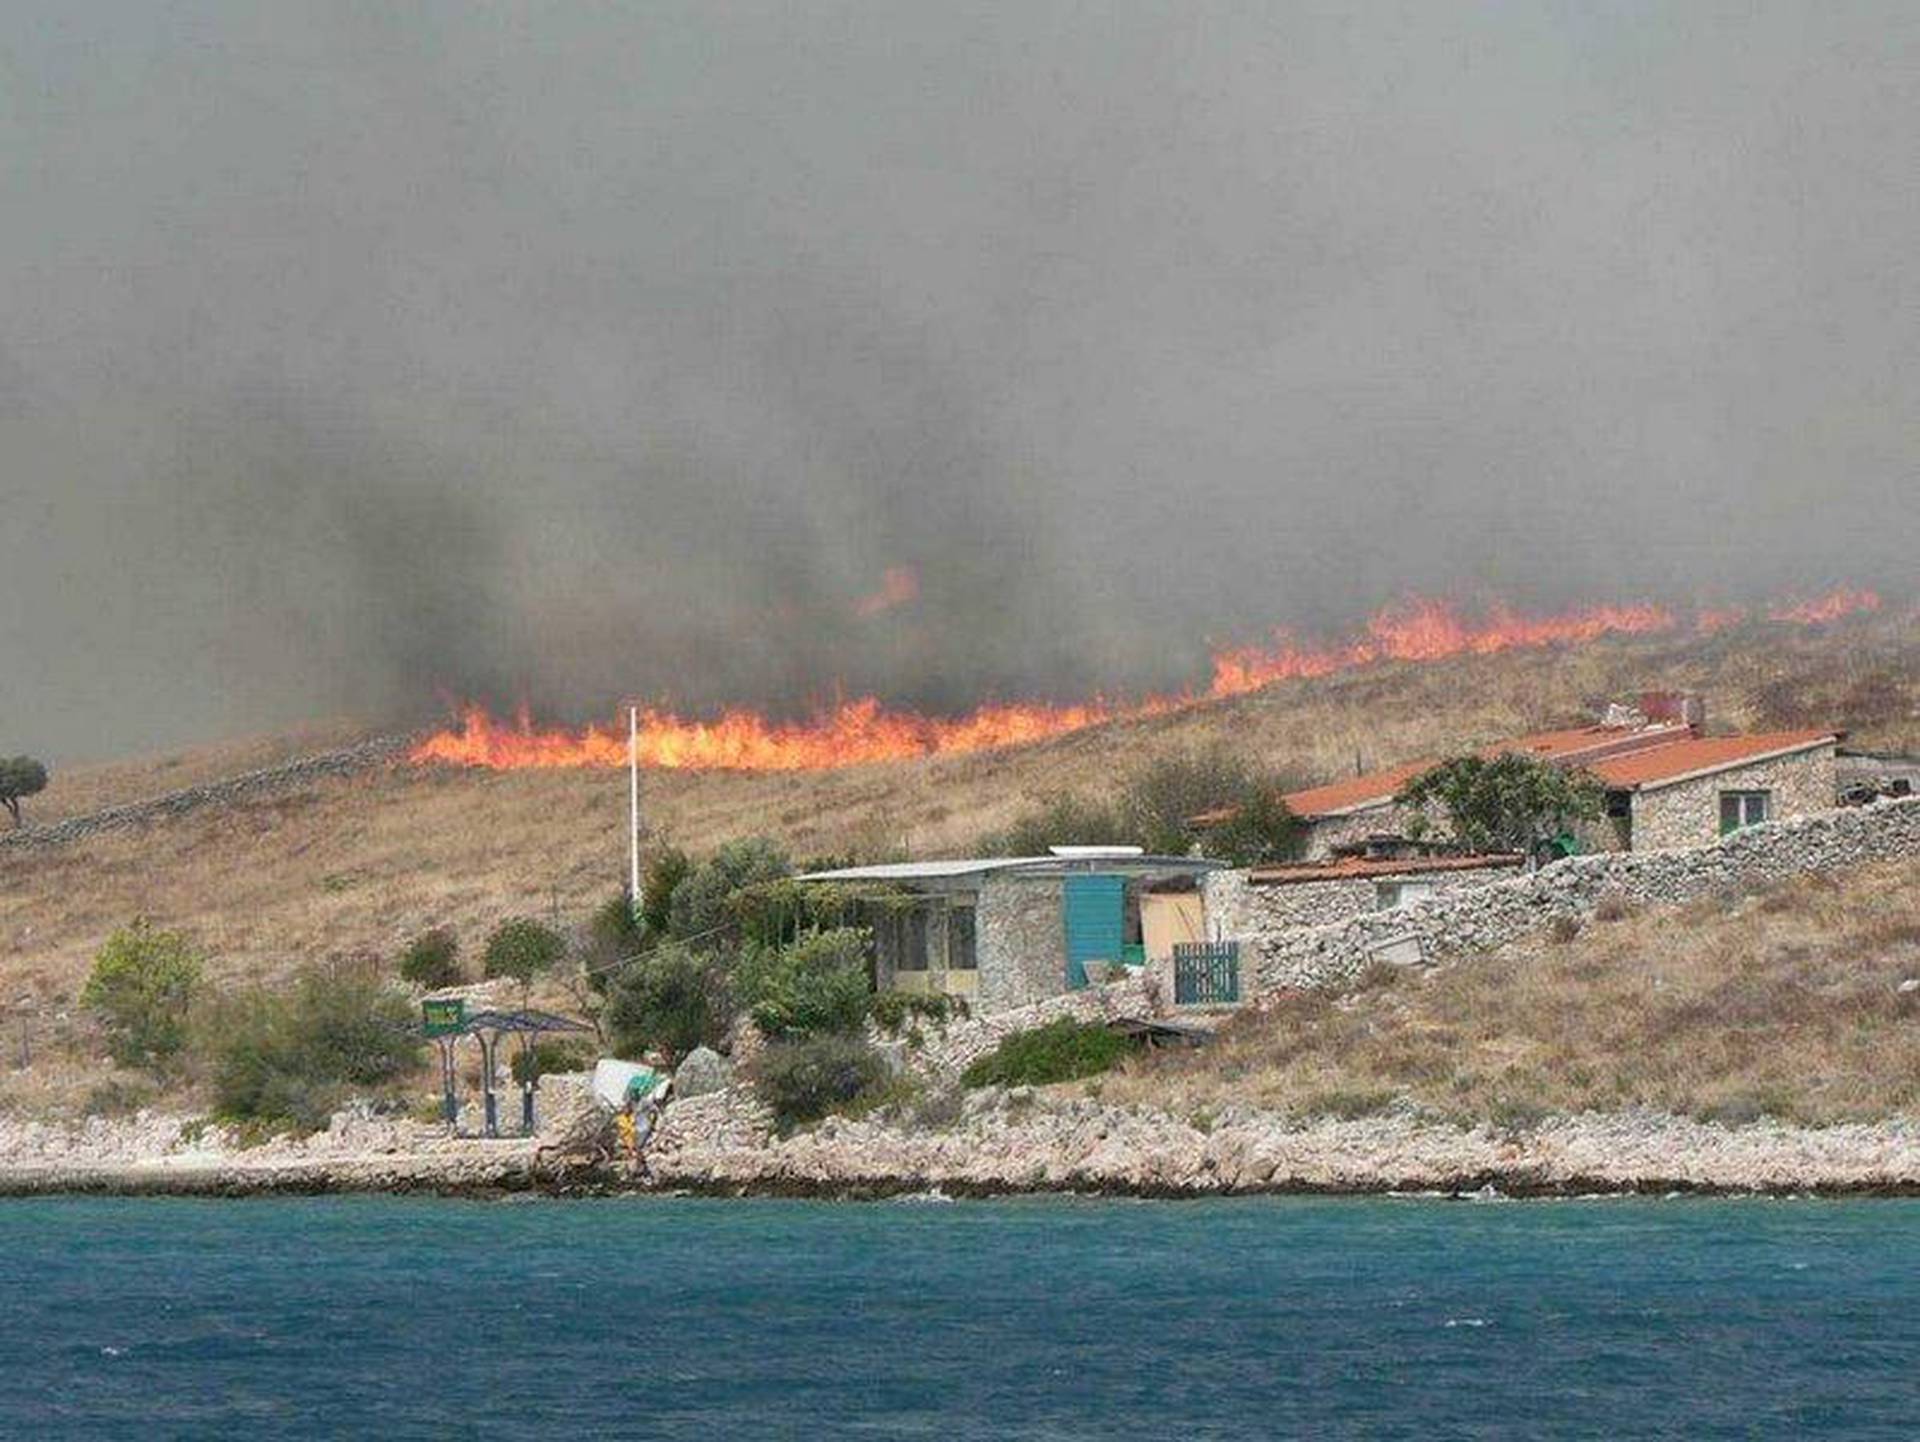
{"x": 1509, "y": 802}
{"x": 20, "y": 777}
{"x": 142, "y": 987}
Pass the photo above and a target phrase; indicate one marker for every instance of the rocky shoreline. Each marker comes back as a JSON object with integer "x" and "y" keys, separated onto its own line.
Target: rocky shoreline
{"x": 1003, "y": 1143}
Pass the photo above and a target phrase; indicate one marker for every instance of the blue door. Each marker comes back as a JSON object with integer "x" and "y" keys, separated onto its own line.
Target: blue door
{"x": 1096, "y": 923}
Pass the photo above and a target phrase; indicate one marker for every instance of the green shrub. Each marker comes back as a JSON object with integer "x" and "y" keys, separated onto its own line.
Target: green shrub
{"x": 551, "y": 1058}
{"x": 115, "y": 1097}
{"x": 1259, "y": 830}
{"x": 801, "y": 1081}
{"x": 816, "y": 986}
{"x": 670, "y": 999}
{"x": 290, "y": 1058}
{"x": 1061, "y": 818}
{"x": 522, "y": 949}
{"x": 142, "y": 988}
{"x": 899, "y": 1010}
{"x": 1160, "y": 799}
{"x": 613, "y": 937}
{"x": 664, "y": 872}
{"x": 1154, "y": 809}
{"x": 698, "y": 913}
{"x": 432, "y": 960}
{"x": 1059, "y": 1051}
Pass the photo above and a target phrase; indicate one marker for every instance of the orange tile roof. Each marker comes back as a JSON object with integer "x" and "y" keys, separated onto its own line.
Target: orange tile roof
{"x": 1698, "y": 755}
{"x": 1620, "y": 756}
{"x": 1355, "y": 792}
{"x": 1360, "y": 866}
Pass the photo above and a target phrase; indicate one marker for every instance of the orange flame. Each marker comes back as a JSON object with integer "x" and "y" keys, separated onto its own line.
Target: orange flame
{"x": 865, "y": 729}
{"x": 1820, "y": 609}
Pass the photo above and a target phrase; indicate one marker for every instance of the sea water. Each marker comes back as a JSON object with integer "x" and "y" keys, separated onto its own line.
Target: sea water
{"x": 1050, "y": 1318}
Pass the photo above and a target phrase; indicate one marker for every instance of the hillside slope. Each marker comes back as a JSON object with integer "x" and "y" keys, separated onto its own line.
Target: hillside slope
{"x": 1787, "y": 1002}
{"x": 356, "y": 864}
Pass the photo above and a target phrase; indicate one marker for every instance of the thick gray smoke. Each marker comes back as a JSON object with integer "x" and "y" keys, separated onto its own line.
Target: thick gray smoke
{"x": 358, "y": 355}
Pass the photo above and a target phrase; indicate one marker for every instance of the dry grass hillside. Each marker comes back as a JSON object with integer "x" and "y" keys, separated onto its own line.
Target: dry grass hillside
{"x": 1786, "y": 1002}
{"x": 355, "y": 865}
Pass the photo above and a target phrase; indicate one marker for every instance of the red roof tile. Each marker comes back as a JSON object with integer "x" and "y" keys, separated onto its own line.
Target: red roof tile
{"x": 1698, "y": 755}
{"x": 1620, "y": 756}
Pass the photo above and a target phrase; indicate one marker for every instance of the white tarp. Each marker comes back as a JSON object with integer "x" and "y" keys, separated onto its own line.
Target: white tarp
{"x": 617, "y": 1082}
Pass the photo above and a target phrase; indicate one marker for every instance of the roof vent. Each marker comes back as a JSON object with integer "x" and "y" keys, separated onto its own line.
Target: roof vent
{"x": 1686, "y": 707}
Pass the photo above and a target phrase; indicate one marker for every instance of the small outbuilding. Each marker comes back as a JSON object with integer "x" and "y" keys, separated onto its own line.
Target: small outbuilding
{"x": 1005, "y": 932}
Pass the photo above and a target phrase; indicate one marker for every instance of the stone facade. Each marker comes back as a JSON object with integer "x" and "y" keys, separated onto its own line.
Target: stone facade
{"x": 1022, "y": 944}
{"x": 1325, "y": 833}
{"x": 1688, "y": 813}
{"x": 1231, "y": 900}
{"x": 1276, "y": 953}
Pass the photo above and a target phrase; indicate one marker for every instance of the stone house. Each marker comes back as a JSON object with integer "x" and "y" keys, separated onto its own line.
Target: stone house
{"x": 1318, "y": 893}
{"x": 1667, "y": 784}
{"x": 1005, "y": 932}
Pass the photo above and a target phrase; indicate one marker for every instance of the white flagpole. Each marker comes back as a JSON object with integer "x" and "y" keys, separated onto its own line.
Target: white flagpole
{"x": 633, "y": 810}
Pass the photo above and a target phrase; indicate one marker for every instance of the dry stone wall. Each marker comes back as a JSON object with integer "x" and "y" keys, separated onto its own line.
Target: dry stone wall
{"x": 1275, "y": 954}
{"x": 948, "y": 1052}
{"x": 245, "y": 787}
{"x": 1321, "y": 903}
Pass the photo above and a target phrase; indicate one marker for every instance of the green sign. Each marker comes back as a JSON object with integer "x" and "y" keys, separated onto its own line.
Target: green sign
{"x": 444, "y": 1016}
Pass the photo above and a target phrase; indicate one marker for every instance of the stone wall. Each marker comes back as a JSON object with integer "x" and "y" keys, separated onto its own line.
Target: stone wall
{"x": 1688, "y": 814}
{"x": 1231, "y": 899}
{"x": 947, "y": 1052}
{"x": 245, "y": 787}
{"x": 1275, "y": 954}
{"x": 1021, "y": 942}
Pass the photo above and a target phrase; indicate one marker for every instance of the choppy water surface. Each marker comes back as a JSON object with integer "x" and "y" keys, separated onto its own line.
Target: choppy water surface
{"x": 1027, "y": 1319}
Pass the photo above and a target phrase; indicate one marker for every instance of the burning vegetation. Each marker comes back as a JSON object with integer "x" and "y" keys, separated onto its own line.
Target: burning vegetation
{"x": 865, "y": 729}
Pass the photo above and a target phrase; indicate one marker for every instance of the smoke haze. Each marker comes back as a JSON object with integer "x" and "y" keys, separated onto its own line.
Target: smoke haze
{"x": 353, "y": 359}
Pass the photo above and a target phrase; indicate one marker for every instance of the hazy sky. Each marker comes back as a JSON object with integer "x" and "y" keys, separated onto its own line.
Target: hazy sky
{"x": 356, "y": 354}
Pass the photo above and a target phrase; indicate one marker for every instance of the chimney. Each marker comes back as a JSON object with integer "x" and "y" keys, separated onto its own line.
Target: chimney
{"x": 1666, "y": 707}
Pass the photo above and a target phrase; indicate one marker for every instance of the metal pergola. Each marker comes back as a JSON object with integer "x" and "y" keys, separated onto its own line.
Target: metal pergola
{"x": 488, "y": 1027}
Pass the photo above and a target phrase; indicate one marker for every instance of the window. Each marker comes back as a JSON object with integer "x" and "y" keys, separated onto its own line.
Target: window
{"x": 1744, "y": 808}
{"x": 911, "y": 938}
{"x": 960, "y": 952}
{"x": 1389, "y": 894}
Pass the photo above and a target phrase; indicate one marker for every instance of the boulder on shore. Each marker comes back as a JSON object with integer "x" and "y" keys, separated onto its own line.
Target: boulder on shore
{"x": 704, "y": 1071}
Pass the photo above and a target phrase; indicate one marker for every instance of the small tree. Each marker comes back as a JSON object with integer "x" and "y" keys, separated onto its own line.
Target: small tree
{"x": 290, "y": 1058}
{"x": 1061, "y": 818}
{"x": 1259, "y": 830}
{"x": 432, "y": 960}
{"x": 698, "y": 912}
{"x": 1510, "y": 802}
{"x": 142, "y": 988}
{"x": 20, "y": 777}
{"x": 1160, "y": 800}
{"x": 671, "y": 999}
{"x": 665, "y": 870}
{"x": 816, "y": 986}
{"x": 612, "y": 937}
{"x": 523, "y": 949}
